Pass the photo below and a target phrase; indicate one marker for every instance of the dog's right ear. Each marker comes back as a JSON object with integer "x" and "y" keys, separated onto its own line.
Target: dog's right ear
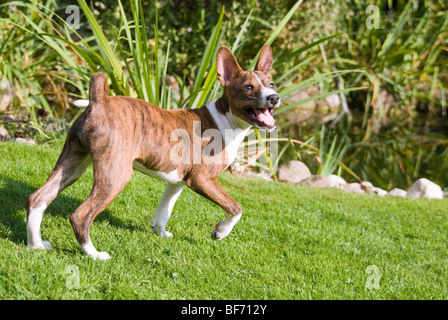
{"x": 226, "y": 66}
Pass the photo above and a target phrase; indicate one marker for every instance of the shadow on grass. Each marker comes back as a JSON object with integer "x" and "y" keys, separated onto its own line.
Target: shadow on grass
{"x": 13, "y": 197}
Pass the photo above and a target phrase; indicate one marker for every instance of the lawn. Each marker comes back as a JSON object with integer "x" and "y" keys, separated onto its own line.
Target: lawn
{"x": 293, "y": 242}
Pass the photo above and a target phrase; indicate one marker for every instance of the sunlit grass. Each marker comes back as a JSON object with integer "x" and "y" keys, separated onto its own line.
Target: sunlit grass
{"x": 293, "y": 242}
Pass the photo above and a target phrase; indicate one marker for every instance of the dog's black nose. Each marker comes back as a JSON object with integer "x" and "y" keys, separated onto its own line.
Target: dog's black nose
{"x": 273, "y": 99}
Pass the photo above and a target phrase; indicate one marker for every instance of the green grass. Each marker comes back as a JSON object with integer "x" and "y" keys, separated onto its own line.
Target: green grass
{"x": 293, "y": 242}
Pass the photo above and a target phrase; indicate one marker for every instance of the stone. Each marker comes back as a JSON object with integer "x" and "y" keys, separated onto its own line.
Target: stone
{"x": 355, "y": 187}
{"x": 4, "y": 135}
{"x": 27, "y": 141}
{"x": 379, "y": 191}
{"x": 423, "y": 188}
{"x": 333, "y": 101}
{"x": 251, "y": 174}
{"x": 334, "y": 180}
{"x": 368, "y": 186}
{"x": 293, "y": 172}
{"x": 397, "y": 192}
{"x": 315, "y": 181}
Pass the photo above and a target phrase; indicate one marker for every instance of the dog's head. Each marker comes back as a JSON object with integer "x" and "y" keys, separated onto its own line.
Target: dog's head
{"x": 250, "y": 94}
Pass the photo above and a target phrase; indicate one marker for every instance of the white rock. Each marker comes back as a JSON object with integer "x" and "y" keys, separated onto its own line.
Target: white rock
{"x": 293, "y": 172}
{"x": 355, "y": 187}
{"x": 379, "y": 191}
{"x": 334, "y": 180}
{"x": 27, "y": 141}
{"x": 333, "y": 100}
{"x": 423, "y": 188}
{"x": 316, "y": 181}
{"x": 397, "y": 192}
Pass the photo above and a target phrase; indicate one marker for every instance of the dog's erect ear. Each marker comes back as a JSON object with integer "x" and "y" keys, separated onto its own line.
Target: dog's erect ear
{"x": 227, "y": 67}
{"x": 264, "y": 63}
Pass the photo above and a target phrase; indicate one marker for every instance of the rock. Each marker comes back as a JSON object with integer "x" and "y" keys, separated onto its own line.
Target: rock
{"x": 379, "y": 191}
{"x": 27, "y": 141}
{"x": 333, "y": 101}
{"x": 252, "y": 174}
{"x": 397, "y": 192}
{"x": 445, "y": 194}
{"x": 4, "y": 135}
{"x": 334, "y": 180}
{"x": 423, "y": 188}
{"x": 355, "y": 187}
{"x": 368, "y": 186}
{"x": 293, "y": 172}
{"x": 371, "y": 189}
{"x": 302, "y": 95}
{"x": 315, "y": 181}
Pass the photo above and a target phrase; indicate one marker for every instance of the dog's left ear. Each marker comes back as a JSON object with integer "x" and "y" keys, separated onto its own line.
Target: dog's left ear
{"x": 264, "y": 63}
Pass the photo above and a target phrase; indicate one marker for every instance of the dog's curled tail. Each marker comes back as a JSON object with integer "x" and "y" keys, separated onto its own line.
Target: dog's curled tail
{"x": 99, "y": 89}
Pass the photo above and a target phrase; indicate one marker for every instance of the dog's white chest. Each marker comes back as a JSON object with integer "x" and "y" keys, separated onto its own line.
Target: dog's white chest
{"x": 232, "y": 130}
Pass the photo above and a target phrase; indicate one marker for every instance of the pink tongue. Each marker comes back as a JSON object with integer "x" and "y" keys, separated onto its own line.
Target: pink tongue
{"x": 265, "y": 117}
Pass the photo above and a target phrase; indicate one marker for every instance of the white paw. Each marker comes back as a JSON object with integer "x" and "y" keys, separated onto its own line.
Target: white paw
{"x": 161, "y": 233}
{"x": 43, "y": 245}
{"x": 219, "y": 235}
{"x": 46, "y": 244}
{"x": 100, "y": 256}
{"x": 166, "y": 234}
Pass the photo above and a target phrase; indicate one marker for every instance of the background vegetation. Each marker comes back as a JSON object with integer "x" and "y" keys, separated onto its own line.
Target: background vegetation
{"x": 392, "y": 130}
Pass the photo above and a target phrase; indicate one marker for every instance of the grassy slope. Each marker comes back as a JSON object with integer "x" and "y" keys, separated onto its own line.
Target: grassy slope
{"x": 293, "y": 242}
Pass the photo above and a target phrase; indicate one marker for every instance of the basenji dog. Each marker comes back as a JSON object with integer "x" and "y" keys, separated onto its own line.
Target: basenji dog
{"x": 120, "y": 134}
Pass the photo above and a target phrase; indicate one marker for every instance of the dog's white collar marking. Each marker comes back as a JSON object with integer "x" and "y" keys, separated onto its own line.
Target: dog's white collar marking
{"x": 232, "y": 129}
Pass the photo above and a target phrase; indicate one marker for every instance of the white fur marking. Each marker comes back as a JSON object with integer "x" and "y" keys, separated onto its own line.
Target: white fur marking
{"x": 223, "y": 228}
{"x": 90, "y": 250}
{"x": 34, "y": 237}
{"x": 232, "y": 129}
{"x": 171, "y": 177}
{"x": 163, "y": 212}
{"x": 266, "y": 92}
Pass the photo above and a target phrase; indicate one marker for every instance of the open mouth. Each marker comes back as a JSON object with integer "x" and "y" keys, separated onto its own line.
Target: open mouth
{"x": 263, "y": 117}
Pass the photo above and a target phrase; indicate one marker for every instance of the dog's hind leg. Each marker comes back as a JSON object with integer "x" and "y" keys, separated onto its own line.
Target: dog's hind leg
{"x": 163, "y": 212}
{"x": 109, "y": 180}
{"x": 69, "y": 167}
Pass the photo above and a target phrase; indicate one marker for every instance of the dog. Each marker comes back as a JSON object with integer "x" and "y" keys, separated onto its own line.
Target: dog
{"x": 120, "y": 134}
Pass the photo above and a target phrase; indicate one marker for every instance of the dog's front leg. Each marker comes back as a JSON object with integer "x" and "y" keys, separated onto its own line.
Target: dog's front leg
{"x": 211, "y": 189}
{"x": 163, "y": 212}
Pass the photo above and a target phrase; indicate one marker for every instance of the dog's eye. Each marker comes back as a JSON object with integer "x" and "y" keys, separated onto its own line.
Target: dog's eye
{"x": 249, "y": 87}
{"x": 272, "y": 85}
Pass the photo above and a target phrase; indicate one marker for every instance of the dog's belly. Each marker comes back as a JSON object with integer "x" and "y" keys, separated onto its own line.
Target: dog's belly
{"x": 171, "y": 177}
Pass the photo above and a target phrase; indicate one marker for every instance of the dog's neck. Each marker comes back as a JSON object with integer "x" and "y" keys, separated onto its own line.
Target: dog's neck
{"x": 224, "y": 118}
{"x": 233, "y": 129}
